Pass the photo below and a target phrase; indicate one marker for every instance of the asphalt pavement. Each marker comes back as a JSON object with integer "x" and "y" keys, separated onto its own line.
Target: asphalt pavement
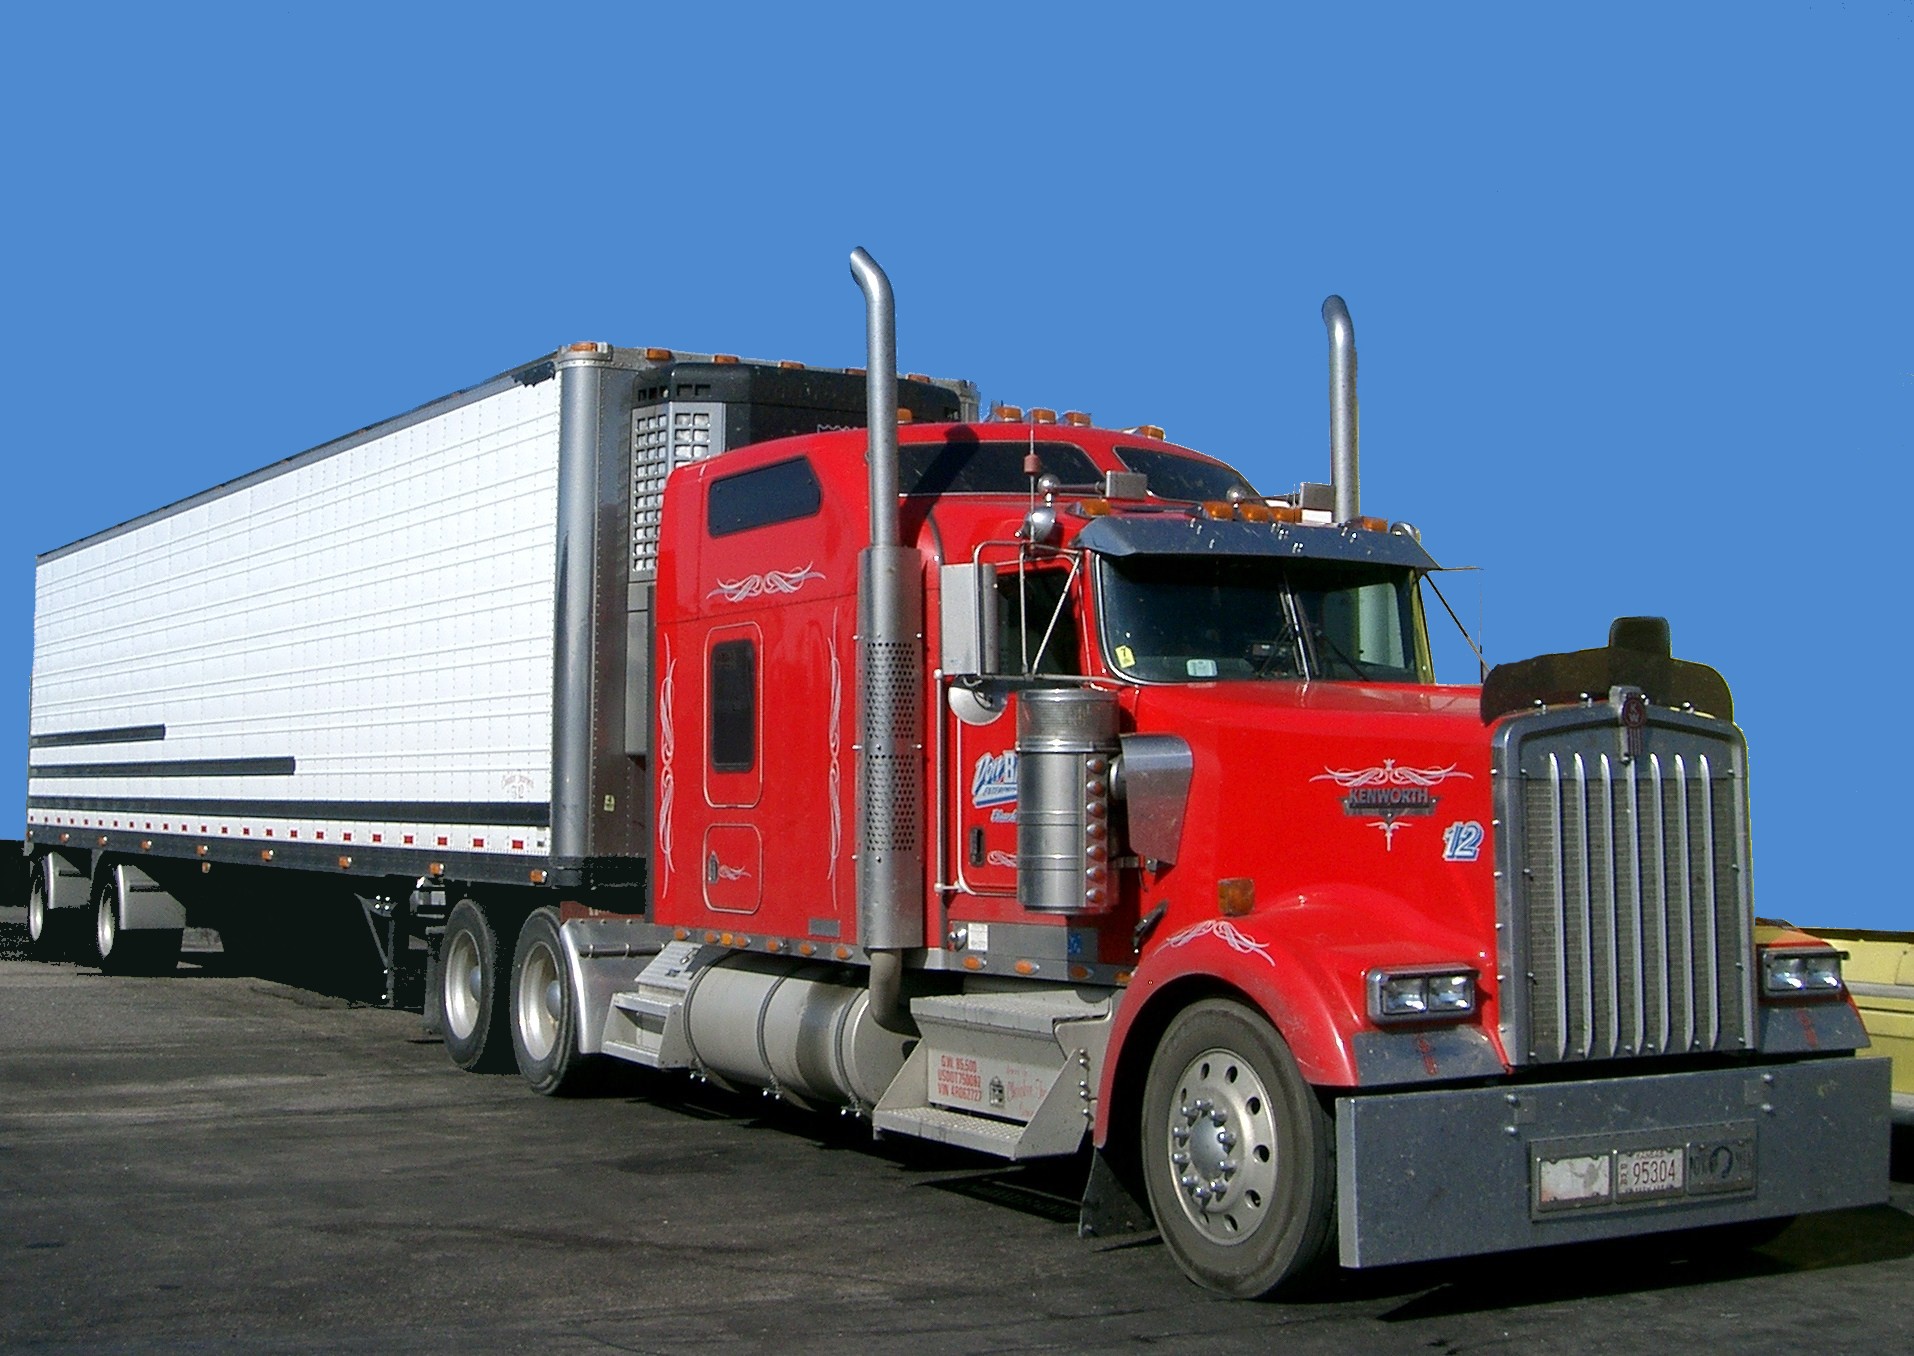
{"x": 217, "y": 1160}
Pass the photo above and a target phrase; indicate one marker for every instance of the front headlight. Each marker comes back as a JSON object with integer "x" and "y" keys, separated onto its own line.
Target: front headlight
{"x": 1800, "y": 974}
{"x": 1424, "y": 994}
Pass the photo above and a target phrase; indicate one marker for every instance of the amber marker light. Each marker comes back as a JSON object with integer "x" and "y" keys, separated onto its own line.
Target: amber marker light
{"x": 1373, "y": 524}
{"x": 973, "y": 963}
{"x": 1094, "y": 508}
{"x": 1235, "y": 896}
{"x": 345, "y": 863}
{"x": 146, "y": 845}
{"x": 725, "y": 359}
{"x": 904, "y": 416}
{"x": 265, "y": 854}
{"x": 1077, "y": 419}
{"x": 659, "y": 355}
{"x": 1025, "y": 967}
{"x": 1255, "y": 513}
{"x": 1007, "y": 414}
{"x": 536, "y": 876}
{"x": 1285, "y": 513}
{"x": 917, "y": 376}
{"x": 1220, "y": 509}
{"x": 790, "y": 366}
{"x": 1041, "y": 415}
{"x": 1147, "y": 431}
{"x": 435, "y": 868}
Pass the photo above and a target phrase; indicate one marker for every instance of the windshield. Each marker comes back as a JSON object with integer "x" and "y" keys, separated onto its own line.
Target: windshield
{"x": 1183, "y": 618}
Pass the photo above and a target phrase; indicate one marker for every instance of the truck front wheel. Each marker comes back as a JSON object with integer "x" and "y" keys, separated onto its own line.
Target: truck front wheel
{"x": 1238, "y": 1154}
{"x": 476, "y": 1022}
{"x": 545, "y": 1013}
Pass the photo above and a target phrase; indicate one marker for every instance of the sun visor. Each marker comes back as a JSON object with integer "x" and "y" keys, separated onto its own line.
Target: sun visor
{"x": 1173, "y": 534}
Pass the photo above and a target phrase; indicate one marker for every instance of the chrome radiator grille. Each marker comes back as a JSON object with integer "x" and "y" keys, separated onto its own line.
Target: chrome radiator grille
{"x": 1625, "y": 915}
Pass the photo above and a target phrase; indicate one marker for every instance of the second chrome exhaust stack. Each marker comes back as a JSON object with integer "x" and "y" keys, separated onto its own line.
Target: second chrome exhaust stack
{"x": 1344, "y": 418}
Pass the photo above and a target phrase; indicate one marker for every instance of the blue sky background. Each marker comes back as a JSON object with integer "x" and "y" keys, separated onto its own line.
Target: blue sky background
{"x": 1631, "y": 283}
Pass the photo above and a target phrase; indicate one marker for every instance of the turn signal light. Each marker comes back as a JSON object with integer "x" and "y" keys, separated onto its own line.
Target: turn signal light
{"x": 1235, "y": 896}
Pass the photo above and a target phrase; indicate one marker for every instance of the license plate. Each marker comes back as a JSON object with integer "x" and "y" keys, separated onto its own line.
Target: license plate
{"x": 1651, "y": 1172}
{"x": 1640, "y": 1169}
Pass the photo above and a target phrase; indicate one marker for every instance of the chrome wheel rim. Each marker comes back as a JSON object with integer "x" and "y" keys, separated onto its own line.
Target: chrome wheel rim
{"x": 37, "y": 908}
{"x": 464, "y": 981}
{"x": 540, "y": 1002}
{"x": 107, "y": 923}
{"x": 1221, "y": 1146}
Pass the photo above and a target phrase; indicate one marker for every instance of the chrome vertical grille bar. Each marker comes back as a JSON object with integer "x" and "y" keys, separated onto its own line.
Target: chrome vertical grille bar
{"x": 1612, "y": 1019}
{"x": 1586, "y": 958}
{"x": 1557, "y": 977}
{"x": 1711, "y": 945}
{"x": 1687, "y": 900}
{"x": 1660, "y": 859}
{"x": 1637, "y": 917}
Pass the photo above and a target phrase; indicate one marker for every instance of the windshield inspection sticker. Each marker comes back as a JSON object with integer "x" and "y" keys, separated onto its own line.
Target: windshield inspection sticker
{"x": 1462, "y": 841}
{"x": 1389, "y": 794}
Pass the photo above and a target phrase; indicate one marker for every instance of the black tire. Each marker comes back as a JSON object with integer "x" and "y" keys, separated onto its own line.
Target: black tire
{"x": 1225, "y": 1106}
{"x": 544, "y": 1011}
{"x": 119, "y": 951}
{"x": 477, "y": 1022}
{"x": 52, "y": 934}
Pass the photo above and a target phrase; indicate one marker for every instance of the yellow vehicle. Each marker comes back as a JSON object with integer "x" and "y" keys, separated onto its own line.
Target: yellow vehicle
{"x": 1879, "y": 971}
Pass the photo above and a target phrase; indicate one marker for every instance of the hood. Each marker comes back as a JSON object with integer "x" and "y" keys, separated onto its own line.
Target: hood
{"x": 1361, "y": 811}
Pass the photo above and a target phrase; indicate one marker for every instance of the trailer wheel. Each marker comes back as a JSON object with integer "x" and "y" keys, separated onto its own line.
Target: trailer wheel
{"x": 51, "y": 932}
{"x": 545, "y": 1015}
{"x": 1237, "y": 1154}
{"x": 474, "y": 1001}
{"x": 121, "y": 951}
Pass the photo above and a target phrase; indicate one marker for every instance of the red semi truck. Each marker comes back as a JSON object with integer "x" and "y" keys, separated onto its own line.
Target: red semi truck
{"x": 1009, "y": 781}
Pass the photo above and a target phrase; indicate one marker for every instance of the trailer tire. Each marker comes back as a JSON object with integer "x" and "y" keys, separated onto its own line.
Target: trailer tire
{"x": 52, "y": 934}
{"x": 476, "y": 1020}
{"x": 121, "y": 951}
{"x": 545, "y": 1013}
{"x": 1224, "y": 1104}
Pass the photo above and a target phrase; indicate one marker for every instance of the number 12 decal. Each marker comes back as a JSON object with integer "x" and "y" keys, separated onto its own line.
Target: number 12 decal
{"x": 1462, "y": 841}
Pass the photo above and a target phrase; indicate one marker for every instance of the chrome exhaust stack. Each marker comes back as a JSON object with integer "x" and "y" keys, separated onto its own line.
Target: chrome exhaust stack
{"x": 1344, "y": 418}
{"x": 890, "y": 653}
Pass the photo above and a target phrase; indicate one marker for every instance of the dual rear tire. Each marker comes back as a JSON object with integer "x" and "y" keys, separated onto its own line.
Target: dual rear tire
{"x": 525, "y": 1016}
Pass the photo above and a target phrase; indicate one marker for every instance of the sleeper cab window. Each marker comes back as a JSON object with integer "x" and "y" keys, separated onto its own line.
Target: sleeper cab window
{"x": 734, "y": 706}
{"x": 778, "y": 493}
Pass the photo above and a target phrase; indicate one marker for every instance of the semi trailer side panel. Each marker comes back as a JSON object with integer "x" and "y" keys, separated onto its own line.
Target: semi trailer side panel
{"x": 355, "y": 647}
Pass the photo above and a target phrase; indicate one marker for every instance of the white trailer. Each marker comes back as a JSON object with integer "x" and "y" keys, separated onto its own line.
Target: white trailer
{"x": 414, "y": 655}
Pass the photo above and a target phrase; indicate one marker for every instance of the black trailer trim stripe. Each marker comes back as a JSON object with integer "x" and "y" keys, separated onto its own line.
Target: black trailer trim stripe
{"x": 529, "y": 814}
{"x": 118, "y": 734}
{"x": 171, "y": 767}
